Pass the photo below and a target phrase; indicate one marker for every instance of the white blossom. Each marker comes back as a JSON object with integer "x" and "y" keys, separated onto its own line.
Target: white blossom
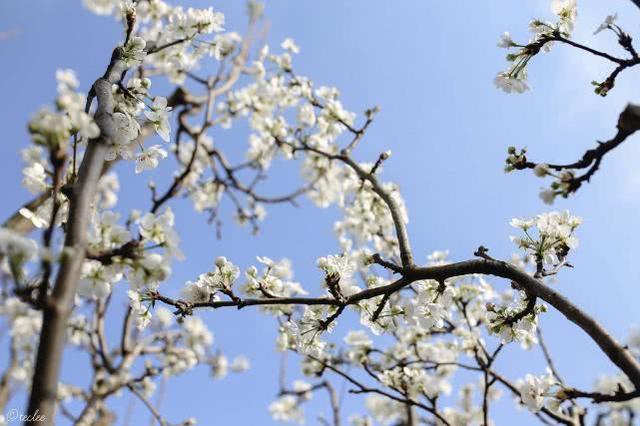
{"x": 555, "y": 235}
{"x": 541, "y": 170}
{"x": 15, "y": 245}
{"x": 219, "y": 366}
{"x": 239, "y": 364}
{"x": 159, "y": 117}
{"x": 290, "y": 45}
{"x": 286, "y": 409}
{"x": 534, "y": 390}
{"x": 510, "y": 83}
{"x": 196, "y": 334}
{"x": 567, "y": 11}
{"x": 134, "y": 51}
{"x": 97, "y": 280}
{"x": 127, "y": 130}
{"x": 506, "y": 41}
{"x": 149, "y": 158}
{"x": 67, "y": 80}
{"x": 35, "y": 178}
{"x": 101, "y": 7}
{"x": 607, "y": 23}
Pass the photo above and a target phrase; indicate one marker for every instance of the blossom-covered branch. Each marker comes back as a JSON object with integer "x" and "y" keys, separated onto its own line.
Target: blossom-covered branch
{"x": 567, "y": 177}
{"x": 444, "y": 323}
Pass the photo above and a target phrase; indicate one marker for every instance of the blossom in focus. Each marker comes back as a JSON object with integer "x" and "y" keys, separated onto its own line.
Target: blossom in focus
{"x": 149, "y": 158}
{"x": 510, "y": 83}
{"x": 534, "y": 390}
{"x": 159, "y": 116}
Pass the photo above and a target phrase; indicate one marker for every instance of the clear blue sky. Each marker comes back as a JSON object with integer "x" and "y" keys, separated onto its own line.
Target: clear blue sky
{"x": 429, "y": 65}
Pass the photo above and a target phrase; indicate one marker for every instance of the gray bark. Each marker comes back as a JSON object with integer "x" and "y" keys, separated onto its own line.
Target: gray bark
{"x": 59, "y": 304}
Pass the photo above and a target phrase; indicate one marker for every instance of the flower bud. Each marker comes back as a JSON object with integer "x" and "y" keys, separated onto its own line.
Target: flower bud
{"x": 221, "y": 261}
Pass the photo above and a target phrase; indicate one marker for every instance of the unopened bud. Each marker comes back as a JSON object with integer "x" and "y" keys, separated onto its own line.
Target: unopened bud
{"x": 221, "y": 261}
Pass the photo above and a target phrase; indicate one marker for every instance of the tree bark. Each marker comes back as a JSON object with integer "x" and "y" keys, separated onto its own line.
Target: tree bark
{"x": 59, "y": 305}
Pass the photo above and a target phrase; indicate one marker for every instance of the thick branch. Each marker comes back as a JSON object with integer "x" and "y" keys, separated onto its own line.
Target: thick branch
{"x": 607, "y": 343}
{"x": 59, "y": 304}
{"x": 614, "y": 350}
{"x": 628, "y": 124}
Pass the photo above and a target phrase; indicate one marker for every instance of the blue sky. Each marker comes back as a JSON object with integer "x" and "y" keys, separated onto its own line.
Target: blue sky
{"x": 429, "y": 65}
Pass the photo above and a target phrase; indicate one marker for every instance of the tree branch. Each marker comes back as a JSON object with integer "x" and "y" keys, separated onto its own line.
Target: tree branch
{"x": 628, "y": 124}
{"x": 59, "y": 305}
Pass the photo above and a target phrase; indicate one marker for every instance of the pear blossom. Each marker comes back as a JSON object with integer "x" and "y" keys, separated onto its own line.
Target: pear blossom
{"x": 541, "y": 170}
{"x": 339, "y": 265}
{"x": 219, "y": 366}
{"x": 50, "y": 129}
{"x": 127, "y": 130}
{"x": 534, "y": 390}
{"x": 306, "y": 115}
{"x": 432, "y": 328}
{"x": 555, "y": 235}
{"x": 134, "y": 51}
{"x": 67, "y": 79}
{"x": 506, "y": 41}
{"x": 384, "y": 410}
{"x": 148, "y": 271}
{"x": 290, "y": 45}
{"x": 510, "y": 83}
{"x": 286, "y": 409}
{"x": 84, "y": 124}
{"x": 567, "y": 11}
{"x": 360, "y": 344}
{"x": 414, "y": 381}
{"x": 159, "y": 228}
{"x": 196, "y": 335}
{"x": 275, "y": 280}
{"x": 163, "y": 318}
{"x": 548, "y": 196}
{"x": 607, "y": 23}
{"x": 522, "y": 224}
{"x": 159, "y": 116}
{"x": 96, "y": 280}
{"x": 207, "y": 196}
{"x": 35, "y": 178}
{"x": 178, "y": 360}
{"x": 305, "y": 334}
{"x": 240, "y": 364}
{"x": 107, "y": 233}
{"x": 141, "y": 313}
{"x": 303, "y": 389}
{"x": 33, "y": 217}
{"x": 15, "y": 245}
{"x": 187, "y": 24}
{"x": 149, "y": 158}
{"x": 101, "y": 7}
{"x": 358, "y": 338}
{"x": 196, "y": 292}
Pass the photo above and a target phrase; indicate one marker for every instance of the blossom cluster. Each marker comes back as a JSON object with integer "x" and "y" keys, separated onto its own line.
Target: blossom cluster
{"x": 206, "y": 287}
{"x": 514, "y": 79}
{"x": 548, "y": 237}
{"x": 432, "y": 328}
